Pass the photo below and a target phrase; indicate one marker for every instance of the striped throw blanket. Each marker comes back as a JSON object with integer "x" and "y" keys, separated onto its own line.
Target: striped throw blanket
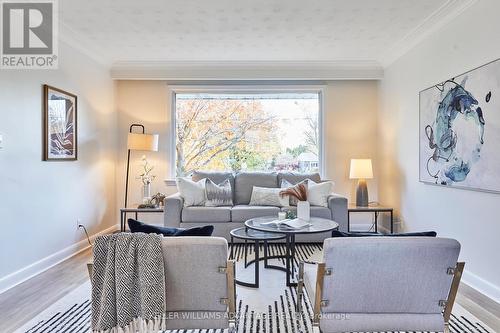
{"x": 128, "y": 284}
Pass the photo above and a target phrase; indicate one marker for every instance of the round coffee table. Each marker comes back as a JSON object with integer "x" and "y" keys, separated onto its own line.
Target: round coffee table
{"x": 318, "y": 225}
{"x": 255, "y": 236}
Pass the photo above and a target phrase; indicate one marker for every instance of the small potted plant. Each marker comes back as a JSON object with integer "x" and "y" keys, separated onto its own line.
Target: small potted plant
{"x": 299, "y": 193}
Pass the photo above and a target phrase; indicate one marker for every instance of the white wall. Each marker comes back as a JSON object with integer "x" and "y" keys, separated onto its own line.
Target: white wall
{"x": 350, "y": 121}
{"x": 40, "y": 202}
{"x": 468, "y": 41}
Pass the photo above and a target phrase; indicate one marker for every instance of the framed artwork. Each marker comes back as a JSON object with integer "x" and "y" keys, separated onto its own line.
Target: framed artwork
{"x": 60, "y": 125}
{"x": 460, "y": 131}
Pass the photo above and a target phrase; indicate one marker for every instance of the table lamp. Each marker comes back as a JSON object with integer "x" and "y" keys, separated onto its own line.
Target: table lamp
{"x": 139, "y": 141}
{"x": 361, "y": 169}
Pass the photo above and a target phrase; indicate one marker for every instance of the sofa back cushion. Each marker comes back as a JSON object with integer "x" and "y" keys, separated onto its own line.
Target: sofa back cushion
{"x": 245, "y": 181}
{"x": 216, "y": 177}
{"x": 295, "y": 178}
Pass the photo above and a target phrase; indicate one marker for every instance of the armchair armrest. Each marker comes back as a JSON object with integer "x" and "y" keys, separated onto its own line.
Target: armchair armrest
{"x": 231, "y": 291}
{"x": 173, "y": 210}
{"x": 338, "y": 207}
{"x": 316, "y": 294}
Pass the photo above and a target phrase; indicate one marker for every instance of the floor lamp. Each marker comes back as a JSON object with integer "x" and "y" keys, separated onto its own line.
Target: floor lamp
{"x": 138, "y": 141}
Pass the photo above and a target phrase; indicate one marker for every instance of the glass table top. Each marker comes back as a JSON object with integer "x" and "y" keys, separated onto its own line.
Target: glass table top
{"x": 251, "y": 234}
{"x": 318, "y": 225}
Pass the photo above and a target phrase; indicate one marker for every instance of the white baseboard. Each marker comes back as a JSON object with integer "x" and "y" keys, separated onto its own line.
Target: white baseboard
{"x": 482, "y": 286}
{"x": 42, "y": 265}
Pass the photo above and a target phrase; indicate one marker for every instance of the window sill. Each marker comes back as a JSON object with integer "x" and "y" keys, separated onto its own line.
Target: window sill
{"x": 170, "y": 182}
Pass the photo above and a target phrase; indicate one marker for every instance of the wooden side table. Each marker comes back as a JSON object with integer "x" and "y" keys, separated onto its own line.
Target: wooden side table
{"x": 376, "y": 209}
{"x": 125, "y": 211}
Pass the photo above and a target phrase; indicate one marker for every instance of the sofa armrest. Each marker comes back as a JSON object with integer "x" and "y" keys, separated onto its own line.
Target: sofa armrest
{"x": 173, "y": 210}
{"x": 338, "y": 206}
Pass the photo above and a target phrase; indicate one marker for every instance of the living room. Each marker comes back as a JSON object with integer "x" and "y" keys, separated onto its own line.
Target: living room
{"x": 368, "y": 119}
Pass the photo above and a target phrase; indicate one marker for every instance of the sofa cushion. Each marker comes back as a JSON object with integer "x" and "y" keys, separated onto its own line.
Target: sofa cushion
{"x": 216, "y": 177}
{"x": 295, "y": 178}
{"x": 206, "y": 214}
{"x": 241, "y": 213}
{"x": 245, "y": 181}
{"x": 316, "y": 211}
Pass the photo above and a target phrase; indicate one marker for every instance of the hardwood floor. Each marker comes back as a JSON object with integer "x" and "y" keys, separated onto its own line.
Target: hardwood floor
{"x": 28, "y": 299}
{"x": 25, "y": 301}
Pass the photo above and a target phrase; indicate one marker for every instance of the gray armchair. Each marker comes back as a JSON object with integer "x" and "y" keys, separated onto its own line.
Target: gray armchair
{"x": 380, "y": 284}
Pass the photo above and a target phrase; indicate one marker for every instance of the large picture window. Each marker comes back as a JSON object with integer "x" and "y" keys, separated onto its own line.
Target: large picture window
{"x": 247, "y": 132}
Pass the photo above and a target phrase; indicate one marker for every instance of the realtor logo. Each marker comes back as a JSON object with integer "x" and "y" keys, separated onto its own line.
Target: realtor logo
{"x": 29, "y": 34}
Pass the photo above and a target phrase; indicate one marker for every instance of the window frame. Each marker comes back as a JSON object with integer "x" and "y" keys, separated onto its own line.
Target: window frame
{"x": 244, "y": 89}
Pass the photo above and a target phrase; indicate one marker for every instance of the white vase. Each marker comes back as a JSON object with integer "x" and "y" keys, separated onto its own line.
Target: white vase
{"x": 146, "y": 193}
{"x": 304, "y": 210}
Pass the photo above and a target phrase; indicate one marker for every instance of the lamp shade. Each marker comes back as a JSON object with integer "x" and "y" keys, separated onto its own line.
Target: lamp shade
{"x": 361, "y": 169}
{"x": 139, "y": 141}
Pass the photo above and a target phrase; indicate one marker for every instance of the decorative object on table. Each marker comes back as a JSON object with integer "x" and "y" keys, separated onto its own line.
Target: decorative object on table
{"x": 290, "y": 214}
{"x": 146, "y": 178}
{"x": 460, "y": 130}
{"x": 285, "y": 184}
{"x": 138, "y": 141}
{"x": 147, "y": 206}
{"x": 60, "y": 125}
{"x": 281, "y": 215}
{"x": 303, "y": 210}
{"x": 158, "y": 199}
{"x": 299, "y": 192}
{"x": 361, "y": 169}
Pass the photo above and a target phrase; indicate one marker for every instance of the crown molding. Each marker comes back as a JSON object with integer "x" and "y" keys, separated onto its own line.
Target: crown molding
{"x": 435, "y": 21}
{"x": 248, "y": 70}
{"x": 82, "y": 44}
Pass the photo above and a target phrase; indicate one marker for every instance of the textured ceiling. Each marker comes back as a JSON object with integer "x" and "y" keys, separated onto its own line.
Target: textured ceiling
{"x": 237, "y": 30}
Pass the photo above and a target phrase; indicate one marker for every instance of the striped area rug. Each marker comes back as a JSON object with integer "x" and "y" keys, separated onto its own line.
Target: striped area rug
{"x": 268, "y": 309}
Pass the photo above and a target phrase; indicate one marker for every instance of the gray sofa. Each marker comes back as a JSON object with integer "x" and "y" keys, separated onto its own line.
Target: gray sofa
{"x": 225, "y": 219}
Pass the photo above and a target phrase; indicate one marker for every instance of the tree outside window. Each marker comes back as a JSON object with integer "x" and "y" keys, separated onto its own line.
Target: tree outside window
{"x": 251, "y": 132}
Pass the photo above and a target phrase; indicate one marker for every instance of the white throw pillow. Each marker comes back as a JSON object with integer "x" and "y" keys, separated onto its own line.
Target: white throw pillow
{"x": 192, "y": 192}
{"x": 264, "y": 196}
{"x": 317, "y": 193}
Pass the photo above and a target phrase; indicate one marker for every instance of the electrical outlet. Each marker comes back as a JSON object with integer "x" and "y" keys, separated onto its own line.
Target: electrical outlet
{"x": 78, "y": 223}
{"x": 1, "y": 141}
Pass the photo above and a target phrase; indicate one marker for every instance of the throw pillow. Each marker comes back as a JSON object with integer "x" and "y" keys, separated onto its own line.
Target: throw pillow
{"x": 206, "y": 230}
{"x": 137, "y": 226}
{"x": 318, "y": 193}
{"x": 336, "y": 233}
{"x": 264, "y": 196}
{"x": 192, "y": 192}
{"x": 218, "y": 194}
{"x": 285, "y": 184}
